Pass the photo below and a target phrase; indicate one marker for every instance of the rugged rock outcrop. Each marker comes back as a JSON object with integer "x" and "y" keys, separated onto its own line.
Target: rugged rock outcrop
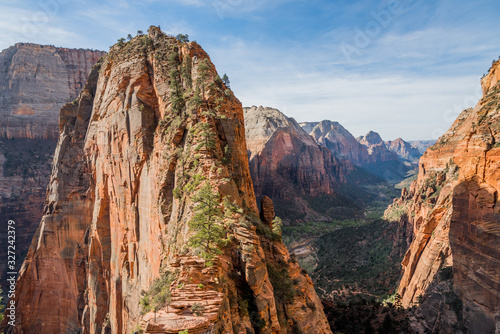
{"x": 287, "y": 164}
{"x": 376, "y": 147}
{"x": 153, "y": 125}
{"x": 451, "y": 267}
{"x": 35, "y": 82}
{"x": 338, "y": 140}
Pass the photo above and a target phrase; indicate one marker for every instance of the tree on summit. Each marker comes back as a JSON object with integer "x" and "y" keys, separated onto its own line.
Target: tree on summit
{"x": 225, "y": 80}
{"x": 184, "y": 38}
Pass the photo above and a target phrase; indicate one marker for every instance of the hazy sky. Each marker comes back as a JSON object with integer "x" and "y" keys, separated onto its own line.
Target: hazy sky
{"x": 404, "y": 68}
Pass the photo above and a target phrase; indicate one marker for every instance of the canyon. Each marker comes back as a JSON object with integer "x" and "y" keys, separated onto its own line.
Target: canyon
{"x": 153, "y": 124}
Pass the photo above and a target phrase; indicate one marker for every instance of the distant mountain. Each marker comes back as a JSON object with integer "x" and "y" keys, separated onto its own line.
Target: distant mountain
{"x": 422, "y": 145}
{"x": 389, "y": 160}
{"x": 338, "y": 140}
{"x": 404, "y": 150}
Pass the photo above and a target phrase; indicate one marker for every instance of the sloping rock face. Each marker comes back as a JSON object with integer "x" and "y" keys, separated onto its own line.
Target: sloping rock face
{"x": 153, "y": 124}
{"x": 35, "y": 82}
{"x": 451, "y": 267}
{"x": 404, "y": 149}
{"x": 338, "y": 140}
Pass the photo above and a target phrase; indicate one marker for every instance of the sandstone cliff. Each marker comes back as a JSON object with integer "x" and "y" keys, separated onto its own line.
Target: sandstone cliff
{"x": 451, "y": 267}
{"x": 35, "y": 82}
{"x": 153, "y": 124}
{"x": 287, "y": 164}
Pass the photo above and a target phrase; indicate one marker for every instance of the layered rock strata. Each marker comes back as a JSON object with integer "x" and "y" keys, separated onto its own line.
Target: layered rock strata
{"x": 153, "y": 124}
{"x": 451, "y": 267}
{"x": 35, "y": 82}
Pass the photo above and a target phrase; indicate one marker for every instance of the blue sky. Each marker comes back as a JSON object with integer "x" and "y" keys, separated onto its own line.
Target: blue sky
{"x": 404, "y": 68}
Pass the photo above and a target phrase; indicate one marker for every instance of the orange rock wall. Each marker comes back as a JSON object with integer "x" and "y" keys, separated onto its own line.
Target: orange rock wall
{"x": 455, "y": 212}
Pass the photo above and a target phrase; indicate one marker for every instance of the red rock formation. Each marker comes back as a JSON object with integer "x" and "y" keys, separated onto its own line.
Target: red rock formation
{"x": 152, "y": 124}
{"x": 285, "y": 160}
{"x": 287, "y": 164}
{"x": 452, "y": 264}
{"x": 267, "y": 210}
{"x": 36, "y": 82}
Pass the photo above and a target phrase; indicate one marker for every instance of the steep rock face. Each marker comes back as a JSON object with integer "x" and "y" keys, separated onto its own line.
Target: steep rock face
{"x": 338, "y": 140}
{"x": 286, "y": 162}
{"x": 152, "y": 125}
{"x": 24, "y": 174}
{"x": 451, "y": 267}
{"x": 35, "y": 82}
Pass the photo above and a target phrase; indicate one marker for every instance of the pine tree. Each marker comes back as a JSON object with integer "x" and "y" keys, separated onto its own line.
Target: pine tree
{"x": 225, "y": 80}
{"x": 210, "y": 233}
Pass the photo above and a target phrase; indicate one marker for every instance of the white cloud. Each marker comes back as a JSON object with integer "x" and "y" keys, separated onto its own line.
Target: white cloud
{"x": 396, "y": 104}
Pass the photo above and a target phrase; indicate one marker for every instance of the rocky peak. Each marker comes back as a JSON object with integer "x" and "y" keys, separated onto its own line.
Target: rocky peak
{"x": 340, "y": 142}
{"x": 370, "y": 139}
{"x": 403, "y": 149}
{"x": 36, "y": 80}
{"x": 153, "y": 127}
{"x": 262, "y": 122}
{"x": 308, "y": 126}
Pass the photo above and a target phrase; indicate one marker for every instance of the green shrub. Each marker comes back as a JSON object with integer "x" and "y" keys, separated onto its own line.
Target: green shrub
{"x": 159, "y": 293}
{"x": 284, "y": 290}
{"x": 197, "y": 309}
